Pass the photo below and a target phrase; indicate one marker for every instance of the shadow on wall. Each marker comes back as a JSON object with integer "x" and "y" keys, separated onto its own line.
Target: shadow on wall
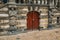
{"x": 5, "y": 1}
{"x": 49, "y": 27}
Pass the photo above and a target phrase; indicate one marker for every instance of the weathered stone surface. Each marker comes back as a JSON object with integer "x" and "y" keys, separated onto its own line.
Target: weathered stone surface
{"x": 35, "y": 35}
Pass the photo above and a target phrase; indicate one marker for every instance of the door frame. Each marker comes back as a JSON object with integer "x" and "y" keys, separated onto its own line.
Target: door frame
{"x": 38, "y": 19}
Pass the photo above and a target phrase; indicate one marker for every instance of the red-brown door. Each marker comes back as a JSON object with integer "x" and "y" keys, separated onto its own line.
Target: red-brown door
{"x": 32, "y": 20}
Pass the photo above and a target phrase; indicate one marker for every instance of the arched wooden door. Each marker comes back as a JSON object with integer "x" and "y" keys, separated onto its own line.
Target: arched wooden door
{"x": 32, "y": 20}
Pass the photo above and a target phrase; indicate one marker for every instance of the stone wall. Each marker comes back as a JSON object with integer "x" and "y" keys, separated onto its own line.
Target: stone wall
{"x": 43, "y": 11}
{"x": 44, "y": 17}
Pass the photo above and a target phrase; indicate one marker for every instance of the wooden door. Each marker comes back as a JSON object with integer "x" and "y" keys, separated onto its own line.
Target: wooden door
{"x": 32, "y": 20}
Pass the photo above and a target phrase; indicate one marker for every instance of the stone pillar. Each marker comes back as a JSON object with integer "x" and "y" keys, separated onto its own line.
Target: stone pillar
{"x": 40, "y": 1}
